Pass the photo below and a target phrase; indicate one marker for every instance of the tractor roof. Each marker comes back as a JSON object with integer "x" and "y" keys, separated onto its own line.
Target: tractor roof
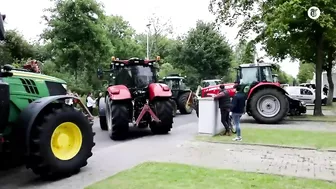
{"x": 173, "y": 77}
{"x": 207, "y": 80}
{"x": 26, "y": 74}
{"x": 134, "y": 61}
{"x": 255, "y": 65}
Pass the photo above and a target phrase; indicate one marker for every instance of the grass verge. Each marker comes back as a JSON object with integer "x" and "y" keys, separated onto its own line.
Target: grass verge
{"x": 178, "y": 176}
{"x": 281, "y": 137}
{"x": 331, "y": 108}
{"x": 326, "y": 118}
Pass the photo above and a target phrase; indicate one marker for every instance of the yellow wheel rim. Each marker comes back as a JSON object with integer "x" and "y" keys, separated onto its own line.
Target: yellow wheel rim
{"x": 66, "y": 141}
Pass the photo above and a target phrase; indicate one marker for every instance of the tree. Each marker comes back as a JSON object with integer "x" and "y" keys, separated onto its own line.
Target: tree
{"x": 78, "y": 36}
{"x": 16, "y": 48}
{"x": 306, "y": 72}
{"x": 285, "y": 29}
{"x": 330, "y": 63}
{"x": 122, "y": 37}
{"x": 205, "y": 50}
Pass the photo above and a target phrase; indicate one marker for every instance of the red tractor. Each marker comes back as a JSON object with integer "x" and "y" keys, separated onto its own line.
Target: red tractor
{"x": 134, "y": 96}
{"x": 267, "y": 102}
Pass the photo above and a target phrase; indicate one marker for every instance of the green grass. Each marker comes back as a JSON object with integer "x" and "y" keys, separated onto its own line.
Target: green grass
{"x": 177, "y": 176}
{"x": 293, "y": 138}
{"x": 326, "y": 118}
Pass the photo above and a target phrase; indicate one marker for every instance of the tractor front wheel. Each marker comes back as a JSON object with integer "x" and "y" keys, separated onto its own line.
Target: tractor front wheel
{"x": 61, "y": 143}
{"x": 163, "y": 110}
{"x": 269, "y": 106}
{"x": 117, "y": 119}
{"x": 184, "y": 103}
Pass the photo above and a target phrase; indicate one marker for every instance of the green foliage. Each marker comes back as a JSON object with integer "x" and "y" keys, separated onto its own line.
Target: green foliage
{"x": 306, "y": 72}
{"x": 205, "y": 50}
{"x": 77, "y": 34}
{"x": 15, "y": 48}
{"x": 121, "y": 35}
{"x": 166, "y": 69}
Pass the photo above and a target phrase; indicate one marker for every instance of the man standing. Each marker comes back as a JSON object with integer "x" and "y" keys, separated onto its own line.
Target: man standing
{"x": 224, "y": 102}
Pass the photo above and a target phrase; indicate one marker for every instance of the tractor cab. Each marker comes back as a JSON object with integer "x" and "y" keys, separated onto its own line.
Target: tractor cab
{"x": 175, "y": 82}
{"x": 134, "y": 73}
{"x": 250, "y": 75}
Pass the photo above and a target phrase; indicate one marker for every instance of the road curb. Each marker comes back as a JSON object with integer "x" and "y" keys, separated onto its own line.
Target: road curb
{"x": 270, "y": 145}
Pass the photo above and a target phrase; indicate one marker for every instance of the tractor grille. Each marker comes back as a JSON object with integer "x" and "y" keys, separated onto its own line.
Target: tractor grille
{"x": 30, "y": 86}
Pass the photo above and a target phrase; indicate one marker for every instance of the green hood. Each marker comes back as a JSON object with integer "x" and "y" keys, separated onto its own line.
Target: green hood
{"x": 32, "y": 75}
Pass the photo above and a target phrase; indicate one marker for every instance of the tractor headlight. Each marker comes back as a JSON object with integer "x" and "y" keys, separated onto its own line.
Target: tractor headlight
{"x": 65, "y": 86}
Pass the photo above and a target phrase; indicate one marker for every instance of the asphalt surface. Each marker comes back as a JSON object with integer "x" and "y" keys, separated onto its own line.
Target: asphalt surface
{"x": 23, "y": 178}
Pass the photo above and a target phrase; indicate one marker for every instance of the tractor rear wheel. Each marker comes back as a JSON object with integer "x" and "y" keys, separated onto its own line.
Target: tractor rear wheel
{"x": 163, "y": 110}
{"x": 117, "y": 119}
{"x": 60, "y": 144}
{"x": 269, "y": 106}
{"x": 184, "y": 106}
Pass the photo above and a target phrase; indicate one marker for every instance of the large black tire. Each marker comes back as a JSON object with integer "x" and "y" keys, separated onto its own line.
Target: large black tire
{"x": 271, "y": 95}
{"x": 181, "y": 101}
{"x": 174, "y": 107}
{"x": 163, "y": 110}
{"x": 103, "y": 123}
{"x": 44, "y": 159}
{"x": 117, "y": 119}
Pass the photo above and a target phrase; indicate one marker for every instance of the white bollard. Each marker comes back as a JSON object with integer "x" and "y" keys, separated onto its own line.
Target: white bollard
{"x": 209, "y": 117}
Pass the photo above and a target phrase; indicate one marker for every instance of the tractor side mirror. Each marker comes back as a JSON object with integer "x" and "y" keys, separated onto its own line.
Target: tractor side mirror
{"x": 100, "y": 73}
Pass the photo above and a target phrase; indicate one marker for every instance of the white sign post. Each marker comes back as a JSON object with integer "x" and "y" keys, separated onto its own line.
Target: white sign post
{"x": 314, "y": 12}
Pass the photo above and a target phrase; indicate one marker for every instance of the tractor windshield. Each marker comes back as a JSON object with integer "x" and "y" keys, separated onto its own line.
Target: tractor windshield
{"x": 249, "y": 75}
{"x": 137, "y": 76}
{"x": 174, "y": 83}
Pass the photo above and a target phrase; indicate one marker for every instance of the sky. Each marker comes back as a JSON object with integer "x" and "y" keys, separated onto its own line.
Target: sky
{"x": 25, "y": 16}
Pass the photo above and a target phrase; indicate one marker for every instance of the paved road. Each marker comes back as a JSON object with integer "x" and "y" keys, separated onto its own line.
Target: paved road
{"x": 23, "y": 178}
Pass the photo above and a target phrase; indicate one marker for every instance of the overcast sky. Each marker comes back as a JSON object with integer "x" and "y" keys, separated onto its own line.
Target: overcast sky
{"x": 25, "y": 16}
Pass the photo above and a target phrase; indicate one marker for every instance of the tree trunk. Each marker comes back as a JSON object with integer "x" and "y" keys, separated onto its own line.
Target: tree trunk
{"x": 329, "y": 77}
{"x": 331, "y": 87}
{"x": 318, "y": 72}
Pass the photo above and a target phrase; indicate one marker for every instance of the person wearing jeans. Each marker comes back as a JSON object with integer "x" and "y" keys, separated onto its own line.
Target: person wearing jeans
{"x": 238, "y": 109}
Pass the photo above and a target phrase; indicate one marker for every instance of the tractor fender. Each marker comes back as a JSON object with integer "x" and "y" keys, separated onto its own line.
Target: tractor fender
{"x": 265, "y": 85}
{"x": 119, "y": 92}
{"x": 159, "y": 90}
{"x": 102, "y": 106}
{"x": 31, "y": 113}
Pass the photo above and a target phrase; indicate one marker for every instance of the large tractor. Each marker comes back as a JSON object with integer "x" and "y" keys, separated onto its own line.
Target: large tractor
{"x": 134, "y": 96}
{"x": 267, "y": 102}
{"x": 37, "y": 126}
{"x": 182, "y": 95}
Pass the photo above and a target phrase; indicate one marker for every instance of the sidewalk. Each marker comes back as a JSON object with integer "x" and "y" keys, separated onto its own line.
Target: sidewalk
{"x": 290, "y": 162}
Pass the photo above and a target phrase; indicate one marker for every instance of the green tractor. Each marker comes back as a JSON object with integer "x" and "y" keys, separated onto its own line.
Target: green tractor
{"x": 38, "y": 127}
{"x": 182, "y": 95}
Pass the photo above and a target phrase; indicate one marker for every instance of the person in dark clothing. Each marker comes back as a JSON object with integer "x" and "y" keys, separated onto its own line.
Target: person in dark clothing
{"x": 224, "y": 102}
{"x": 238, "y": 109}
{"x": 325, "y": 90}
